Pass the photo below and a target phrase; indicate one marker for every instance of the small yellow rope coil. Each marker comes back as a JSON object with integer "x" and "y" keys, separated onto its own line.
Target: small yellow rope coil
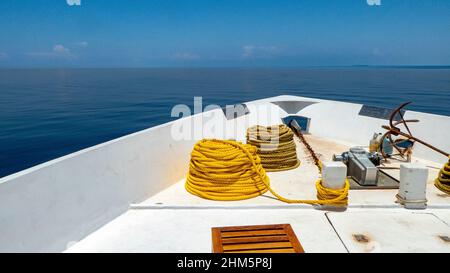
{"x": 227, "y": 170}
{"x": 442, "y": 182}
{"x": 275, "y": 146}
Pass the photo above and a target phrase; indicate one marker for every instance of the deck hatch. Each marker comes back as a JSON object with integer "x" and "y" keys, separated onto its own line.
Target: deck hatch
{"x": 255, "y": 239}
{"x": 378, "y": 112}
{"x": 304, "y": 122}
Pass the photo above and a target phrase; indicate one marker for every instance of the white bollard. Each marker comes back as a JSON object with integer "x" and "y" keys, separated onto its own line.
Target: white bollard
{"x": 334, "y": 174}
{"x": 413, "y": 185}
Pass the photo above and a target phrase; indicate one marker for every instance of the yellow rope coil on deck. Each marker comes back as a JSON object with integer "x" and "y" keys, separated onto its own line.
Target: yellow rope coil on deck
{"x": 221, "y": 170}
{"x": 227, "y": 170}
{"x": 275, "y": 146}
{"x": 442, "y": 182}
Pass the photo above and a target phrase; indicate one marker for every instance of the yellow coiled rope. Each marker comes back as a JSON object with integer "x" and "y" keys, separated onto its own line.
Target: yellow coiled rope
{"x": 442, "y": 182}
{"x": 227, "y": 170}
{"x": 220, "y": 170}
{"x": 275, "y": 146}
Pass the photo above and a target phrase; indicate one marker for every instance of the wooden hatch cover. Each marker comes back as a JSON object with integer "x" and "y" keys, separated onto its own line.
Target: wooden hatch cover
{"x": 255, "y": 239}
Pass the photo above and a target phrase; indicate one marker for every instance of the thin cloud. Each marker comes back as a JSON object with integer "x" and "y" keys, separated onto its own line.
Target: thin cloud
{"x": 247, "y": 51}
{"x": 82, "y": 44}
{"x": 377, "y": 52}
{"x": 259, "y": 52}
{"x": 58, "y": 51}
{"x": 3, "y": 56}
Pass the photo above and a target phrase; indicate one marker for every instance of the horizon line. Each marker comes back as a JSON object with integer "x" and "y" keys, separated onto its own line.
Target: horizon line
{"x": 235, "y": 67}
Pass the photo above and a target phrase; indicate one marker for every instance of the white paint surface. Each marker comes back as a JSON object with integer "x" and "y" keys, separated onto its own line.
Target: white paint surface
{"x": 189, "y": 230}
{"x": 53, "y": 204}
{"x": 391, "y": 231}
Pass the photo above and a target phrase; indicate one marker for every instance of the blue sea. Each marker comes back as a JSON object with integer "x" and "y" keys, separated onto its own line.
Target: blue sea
{"x": 48, "y": 113}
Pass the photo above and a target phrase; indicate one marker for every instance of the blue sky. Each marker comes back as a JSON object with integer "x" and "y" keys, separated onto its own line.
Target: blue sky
{"x": 121, "y": 33}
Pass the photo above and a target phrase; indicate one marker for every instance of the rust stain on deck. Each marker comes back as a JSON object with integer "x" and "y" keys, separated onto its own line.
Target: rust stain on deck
{"x": 361, "y": 238}
{"x": 444, "y": 238}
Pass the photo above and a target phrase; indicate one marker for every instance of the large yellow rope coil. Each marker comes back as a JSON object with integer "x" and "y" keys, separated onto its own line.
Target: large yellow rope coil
{"x": 227, "y": 170}
{"x": 442, "y": 182}
{"x": 275, "y": 146}
{"x": 221, "y": 170}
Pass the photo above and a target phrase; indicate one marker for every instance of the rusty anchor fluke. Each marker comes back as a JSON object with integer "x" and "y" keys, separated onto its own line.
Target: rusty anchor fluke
{"x": 392, "y": 129}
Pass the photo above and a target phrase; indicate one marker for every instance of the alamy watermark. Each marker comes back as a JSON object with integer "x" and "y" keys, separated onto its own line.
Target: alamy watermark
{"x": 73, "y": 2}
{"x": 230, "y": 122}
{"x": 374, "y": 2}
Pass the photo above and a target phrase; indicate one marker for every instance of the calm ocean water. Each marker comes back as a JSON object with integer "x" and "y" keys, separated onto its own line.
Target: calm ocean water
{"x": 48, "y": 113}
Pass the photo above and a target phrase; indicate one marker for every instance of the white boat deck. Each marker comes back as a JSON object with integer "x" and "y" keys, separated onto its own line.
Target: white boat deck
{"x": 128, "y": 195}
{"x": 174, "y": 220}
{"x": 189, "y": 230}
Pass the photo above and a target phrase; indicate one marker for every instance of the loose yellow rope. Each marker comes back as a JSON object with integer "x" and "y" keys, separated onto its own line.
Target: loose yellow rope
{"x": 275, "y": 146}
{"x": 228, "y": 170}
{"x": 442, "y": 182}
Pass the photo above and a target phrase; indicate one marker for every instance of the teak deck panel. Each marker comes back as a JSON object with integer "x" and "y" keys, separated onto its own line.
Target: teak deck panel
{"x": 255, "y": 239}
